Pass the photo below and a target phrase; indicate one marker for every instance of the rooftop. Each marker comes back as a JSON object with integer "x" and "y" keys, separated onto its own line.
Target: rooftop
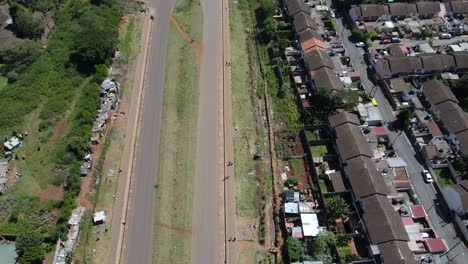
{"x": 364, "y": 178}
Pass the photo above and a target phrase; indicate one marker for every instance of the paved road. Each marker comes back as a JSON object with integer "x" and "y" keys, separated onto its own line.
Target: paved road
{"x": 436, "y": 42}
{"x": 206, "y": 215}
{"x": 404, "y": 149}
{"x": 139, "y": 246}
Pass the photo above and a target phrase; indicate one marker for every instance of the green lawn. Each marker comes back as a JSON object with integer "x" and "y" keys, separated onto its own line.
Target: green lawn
{"x": 319, "y": 150}
{"x": 444, "y": 177}
{"x": 311, "y": 135}
{"x": 323, "y": 186}
{"x": 296, "y": 166}
{"x": 179, "y": 126}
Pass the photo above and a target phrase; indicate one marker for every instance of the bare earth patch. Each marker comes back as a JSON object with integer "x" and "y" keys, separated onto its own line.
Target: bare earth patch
{"x": 51, "y": 193}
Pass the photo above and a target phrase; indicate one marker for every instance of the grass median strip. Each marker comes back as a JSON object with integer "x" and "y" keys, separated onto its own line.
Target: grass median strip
{"x": 173, "y": 206}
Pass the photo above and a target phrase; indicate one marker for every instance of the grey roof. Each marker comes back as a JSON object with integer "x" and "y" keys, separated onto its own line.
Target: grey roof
{"x": 382, "y": 222}
{"x": 374, "y": 10}
{"x": 396, "y": 252}
{"x": 326, "y": 78}
{"x": 459, "y": 6}
{"x": 395, "y": 50}
{"x": 401, "y": 9}
{"x": 428, "y": 8}
{"x": 462, "y": 190}
{"x": 296, "y": 6}
{"x": 398, "y": 84}
{"x": 463, "y": 139}
{"x": 350, "y": 142}
{"x": 437, "y": 92}
{"x": 337, "y": 181}
{"x": 461, "y": 59}
{"x": 399, "y": 65}
{"x": 364, "y": 178}
{"x": 343, "y": 117}
{"x": 317, "y": 59}
{"x": 437, "y": 62}
{"x": 453, "y": 117}
{"x": 307, "y": 34}
{"x": 303, "y": 21}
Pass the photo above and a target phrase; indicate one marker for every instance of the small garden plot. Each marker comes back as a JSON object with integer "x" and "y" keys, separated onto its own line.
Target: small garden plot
{"x": 321, "y": 150}
{"x": 285, "y": 144}
{"x": 444, "y": 177}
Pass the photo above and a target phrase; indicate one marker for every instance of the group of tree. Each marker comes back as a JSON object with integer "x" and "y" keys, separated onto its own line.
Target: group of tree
{"x": 366, "y": 37}
{"x": 79, "y": 50}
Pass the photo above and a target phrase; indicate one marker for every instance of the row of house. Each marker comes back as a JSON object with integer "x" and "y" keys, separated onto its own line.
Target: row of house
{"x": 65, "y": 247}
{"x": 395, "y": 234}
{"x": 421, "y": 64}
{"x": 399, "y": 11}
{"x": 383, "y": 227}
{"x": 444, "y": 106}
{"x": 313, "y": 49}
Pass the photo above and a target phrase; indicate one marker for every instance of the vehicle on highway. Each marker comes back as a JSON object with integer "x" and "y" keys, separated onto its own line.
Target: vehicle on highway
{"x": 445, "y": 36}
{"x": 427, "y": 176}
{"x": 360, "y": 44}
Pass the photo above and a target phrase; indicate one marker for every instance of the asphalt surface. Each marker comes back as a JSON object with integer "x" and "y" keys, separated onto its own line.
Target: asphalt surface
{"x": 425, "y": 192}
{"x": 139, "y": 243}
{"x": 205, "y": 219}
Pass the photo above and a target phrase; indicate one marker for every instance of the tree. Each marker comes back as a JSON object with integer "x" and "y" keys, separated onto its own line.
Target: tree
{"x": 357, "y": 35}
{"x": 282, "y": 90}
{"x": 17, "y": 55}
{"x": 336, "y": 206}
{"x": 322, "y": 242}
{"x": 270, "y": 26}
{"x": 460, "y": 164}
{"x": 29, "y": 25}
{"x": 426, "y": 32}
{"x": 95, "y": 40}
{"x": 294, "y": 248}
{"x": 269, "y": 7}
{"x": 404, "y": 117}
{"x": 291, "y": 181}
{"x": 29, "y": 247}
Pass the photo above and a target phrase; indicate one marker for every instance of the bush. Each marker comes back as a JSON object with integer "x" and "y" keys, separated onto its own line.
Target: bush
{"x": 28, "y": 24}
{"x": 294, "y": 249}
{"x": 291, "y": 181}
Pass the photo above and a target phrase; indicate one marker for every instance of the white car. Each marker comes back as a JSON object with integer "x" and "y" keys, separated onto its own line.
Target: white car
{"x": 427, "y": 176}
{"x": 332, "y": 14}
{"x": 360, "y": 44}
{"x": 445, "y": 36}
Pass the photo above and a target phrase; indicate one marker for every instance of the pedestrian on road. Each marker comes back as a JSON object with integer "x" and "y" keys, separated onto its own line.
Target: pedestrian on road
{"x": 230, "y": 163}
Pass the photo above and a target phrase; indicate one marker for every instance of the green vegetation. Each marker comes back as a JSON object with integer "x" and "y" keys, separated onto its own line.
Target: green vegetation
{"x": 319, "y": 247}
{"x": 178, "y": 140}
{"x": 296, "y": 166}
{"x": 323, "y": 186}
{"x": 337, "y": 207}
{"x": 319, "y": 150}
{"x": 404, "y": 118}
{"x": 459, "y": 89}
{"x": 444, "y": 177}
{"x": 291, "y": 181}
{"x": 460, "y": 164}
{"x": 358, "y": 36}
{"x": 45, "y": 87}
{"x": 294, "y": 249}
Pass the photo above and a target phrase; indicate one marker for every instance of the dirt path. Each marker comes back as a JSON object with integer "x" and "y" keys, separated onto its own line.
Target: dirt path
{"x": 58, "y": 132}
{"x": 186, "y": 231}
{"x": 184, "y": 35}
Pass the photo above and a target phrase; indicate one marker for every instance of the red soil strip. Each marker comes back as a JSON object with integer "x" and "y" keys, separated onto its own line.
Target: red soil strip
{"x": 58, "y": 132}
{"x": 51, "y": 193}
{"x": 184, "y": 35}
{"x": 186, "y": 231}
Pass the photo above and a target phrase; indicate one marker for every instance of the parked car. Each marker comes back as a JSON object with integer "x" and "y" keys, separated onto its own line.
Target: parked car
{"x": 427, "y": 176}
{"x": 332, "y": 14}
{"x": 360, "y": 44}
{"x": 396, "y": 40}
{"x": 386, "y": 41}
{"x": 445, "y": 36}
